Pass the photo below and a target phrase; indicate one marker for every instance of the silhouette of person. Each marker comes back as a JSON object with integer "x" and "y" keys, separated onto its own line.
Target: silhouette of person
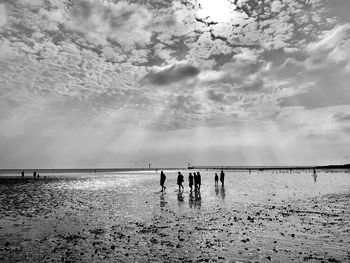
{"x": 199, "y": 180}
{"x": 315, "y": 175}
{"x": 222, "y": 177}
{"x": 34, "y": 174}
{"x": 180, "y": 180}
{"x": 22, "y": 173}
{"x": 38, "y": 176}
{"x": 216, "y": 179}
{"x": 162, "y": 180}
{"x": 190, "y": 180}
{"x": 195, "y": 178}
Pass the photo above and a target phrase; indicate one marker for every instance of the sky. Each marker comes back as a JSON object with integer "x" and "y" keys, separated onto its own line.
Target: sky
{"x": 107, "y": 83}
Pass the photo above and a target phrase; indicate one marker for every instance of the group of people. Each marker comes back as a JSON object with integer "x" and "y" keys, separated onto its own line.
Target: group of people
{"x": 35, "y": 175}
{"x": 193, "y": 180}
{"x": 222, "y": 178}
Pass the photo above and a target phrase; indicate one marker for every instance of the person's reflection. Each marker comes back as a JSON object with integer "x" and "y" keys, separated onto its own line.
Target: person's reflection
{"x": 191, "y": 200}
{"x": 163, "y": 202}
{"x": 180, "y": 198}
{"x": 216, "y": 190}
{"x": 222, "y": 190}
{"x": 197, "y": 199}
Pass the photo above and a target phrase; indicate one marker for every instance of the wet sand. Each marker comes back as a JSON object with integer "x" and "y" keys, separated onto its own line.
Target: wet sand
{"x": 122, "y": 217}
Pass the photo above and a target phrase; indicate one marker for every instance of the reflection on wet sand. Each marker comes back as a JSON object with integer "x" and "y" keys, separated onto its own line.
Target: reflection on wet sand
{"x": 217, "y": 190}
{"x": 221, "y": 191}
{"x": 119, "y": 218}
{"x": 180, "y": 198}
{"x": 197, "y": 199}
{"x": 191, "y": 200}
{"x": 163, "y": 202}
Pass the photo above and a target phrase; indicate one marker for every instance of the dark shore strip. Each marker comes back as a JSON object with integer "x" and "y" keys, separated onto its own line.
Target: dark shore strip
{"x": 82, "y": 170}
{"x": 345, "y": 167}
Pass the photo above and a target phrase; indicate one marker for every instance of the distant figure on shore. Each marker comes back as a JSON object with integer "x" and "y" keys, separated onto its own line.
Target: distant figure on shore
{"x": 250, "y": 171}
{"x": 222, "y": 177}
{"x": 22, "y": 173}
{"x": 38, "y": 176}
{"x": 190, "y": 180}
{"x": 199, "y": 181}
{"x": 195, "y": 179}
{"x": 314, "y": 175}
{"x": 34, "y": 174}
{"x": 180, "y": 180}
{"x": 216, "y": 179}
{"x": 162, "y": 180}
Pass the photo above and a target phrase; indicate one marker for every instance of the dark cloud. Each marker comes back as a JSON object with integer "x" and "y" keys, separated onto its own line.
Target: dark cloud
{"x": 185, "y": 104}
{"x": 253, "y": 85}
{"x": 212, "y": 95}
{"x": 342, "y": 117}
{"x": 172, "y": 74}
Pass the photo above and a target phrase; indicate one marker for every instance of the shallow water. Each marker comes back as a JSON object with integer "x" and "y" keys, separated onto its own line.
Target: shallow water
{"x": 265, "y": 216}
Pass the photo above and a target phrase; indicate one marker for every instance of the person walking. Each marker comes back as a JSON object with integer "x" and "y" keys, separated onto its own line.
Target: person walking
{"x": 199, "y": 180}
{"x": 222, "y": 177}
{"x": 180, "y": 180}
{"x": 162, "y": 180}
{"x": 190, "y": 180}
{"x": 22, "y": 173}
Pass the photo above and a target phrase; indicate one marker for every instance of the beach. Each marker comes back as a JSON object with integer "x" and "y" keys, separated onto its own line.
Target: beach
{"x": 268, "y": 216}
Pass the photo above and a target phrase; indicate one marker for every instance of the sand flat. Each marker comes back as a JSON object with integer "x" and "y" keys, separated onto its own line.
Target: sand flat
{"x": 123, "y": 217}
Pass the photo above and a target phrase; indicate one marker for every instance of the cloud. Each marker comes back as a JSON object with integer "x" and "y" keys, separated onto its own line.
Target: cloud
{"x": 102, "y": 21}
{"x": 171, "y": 74}
{"x": 3, "y": 15}
{"x": 326, "y": 63}
{"x": 342, "y": 117}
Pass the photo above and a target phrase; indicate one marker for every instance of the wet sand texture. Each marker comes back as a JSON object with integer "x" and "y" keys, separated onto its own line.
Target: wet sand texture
{"x": 262, "y": 217}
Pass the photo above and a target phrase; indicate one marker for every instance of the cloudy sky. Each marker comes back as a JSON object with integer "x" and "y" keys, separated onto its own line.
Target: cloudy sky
{"x": 92, "y": 83}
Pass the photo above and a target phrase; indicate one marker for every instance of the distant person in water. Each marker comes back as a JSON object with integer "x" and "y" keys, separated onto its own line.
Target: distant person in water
{"x": 22, "y": 173}
{"x": 180, "y": 180}
{"x": 162, "y": 180}
{"x": 314, "y": 175}
{"x": 190, "y": 180}
{"x": 216, "y": 179}
{"x": 195, "y": 179}
{"x": 222, "y": 177}
{"x": 199, "y": 180}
